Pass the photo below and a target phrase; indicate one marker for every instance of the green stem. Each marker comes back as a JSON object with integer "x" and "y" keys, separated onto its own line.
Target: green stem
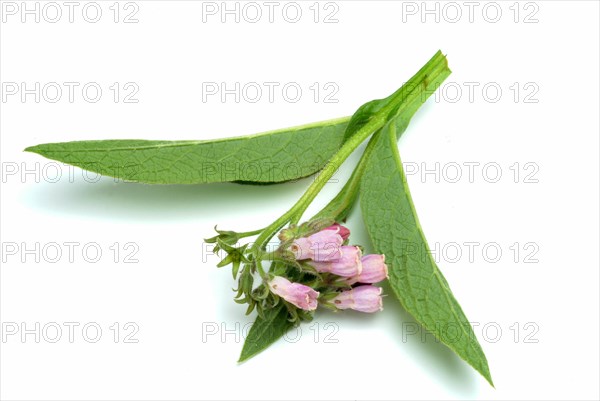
{"x": 339, "y": 207}
{"x": 294, "y": 213}
{"x": 269, "y": 255}
{"x": 257, "y": 263}
{"x": 250, "y": 233}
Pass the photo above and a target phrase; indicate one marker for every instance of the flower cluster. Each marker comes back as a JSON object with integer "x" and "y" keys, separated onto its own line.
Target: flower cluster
{"x": 313, "y": 265}
{"x": 346, "y": 275}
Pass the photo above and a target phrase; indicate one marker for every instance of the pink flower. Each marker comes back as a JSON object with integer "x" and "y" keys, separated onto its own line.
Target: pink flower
{"x": 373, "y": 271}
{"x": 297, "y": 294}
{"x": 322, "y": 246}
{"x": 365, "y": 298}
{"x": 348, "y": 265}
{"x": 344, "y": 232}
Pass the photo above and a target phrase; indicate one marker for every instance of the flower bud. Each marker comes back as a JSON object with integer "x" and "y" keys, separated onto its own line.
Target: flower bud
{"x": 348, "y": 265}
{"x": 285, "y": 234}
{"x": 373, "y": 271}
{"x": 297, "y": 294}
{"x": 344, "y": 232}
{"x": 322, "y": 246}
{"x": 365, "y": 298}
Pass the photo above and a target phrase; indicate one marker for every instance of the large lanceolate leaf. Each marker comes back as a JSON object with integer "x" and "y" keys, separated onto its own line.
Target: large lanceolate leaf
{"x": 270, "y": 157}
{"x": 265, "y": 331}
{"x": 394, "y": 228}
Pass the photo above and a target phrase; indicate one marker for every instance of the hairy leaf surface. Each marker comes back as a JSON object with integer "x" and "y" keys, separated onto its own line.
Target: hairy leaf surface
{"x": 270, "y": 157}
{"x": 394, "y": 228}
{"x": 265, "y": 331}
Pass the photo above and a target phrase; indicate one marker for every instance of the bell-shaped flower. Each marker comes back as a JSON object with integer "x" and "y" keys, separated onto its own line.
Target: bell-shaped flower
{"x": 348, "y": 265}
{"x": 297, "y": 294}
{"x": 322, "y": 246}
{"x": 364, "y": 298}
{"x": 373, "y": 271}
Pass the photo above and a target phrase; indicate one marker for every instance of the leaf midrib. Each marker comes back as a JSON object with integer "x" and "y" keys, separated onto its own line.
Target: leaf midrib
{"x": 435, "y": 272}
{"x": 185, "y": 143}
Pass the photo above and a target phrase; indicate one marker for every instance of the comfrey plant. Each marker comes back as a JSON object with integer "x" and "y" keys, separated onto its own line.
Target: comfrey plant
{"x": 315, "y": 264}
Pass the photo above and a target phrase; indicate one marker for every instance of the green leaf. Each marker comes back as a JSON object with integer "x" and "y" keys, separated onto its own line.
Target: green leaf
{"x": 394, "y": 228}
{"x": 265, "y": 331}
{"x": 270, "y": 157}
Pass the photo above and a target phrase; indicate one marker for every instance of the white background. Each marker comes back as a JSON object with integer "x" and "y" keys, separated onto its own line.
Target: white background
{"x": 540, "y": 318}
